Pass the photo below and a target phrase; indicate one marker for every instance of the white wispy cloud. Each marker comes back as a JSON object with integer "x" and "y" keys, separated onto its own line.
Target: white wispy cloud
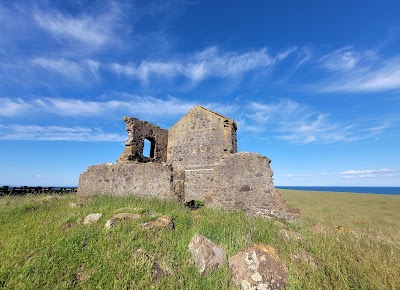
{"x": 13, "y": 107}
{"x": 159, "y": 111}
{"x": 72, "y": 70}
{"x": 39, "y": 177}
{"x": 283, "y": 119}
{"x": 360, "y": 71}
{"x": 208, "y": 63}
{"x": 93, "y": 29}
{"x": 294, "y": 175}
{"x": 56, "y": 133}
{"x": 352, "y": 174}
{"x": 297, "y": 123}
{"x": 343, "y": 59}
{"x": 115, "y": 105}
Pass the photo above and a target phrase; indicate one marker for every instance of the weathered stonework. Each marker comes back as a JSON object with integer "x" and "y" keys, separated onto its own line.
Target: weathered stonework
{"x": 139, "y": 179}
{"x": 138, "y": 131}
{"x": 200, "y": 139}
{"x": 196, "y": 159}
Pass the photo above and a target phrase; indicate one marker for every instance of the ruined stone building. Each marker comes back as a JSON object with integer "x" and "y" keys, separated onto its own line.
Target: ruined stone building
{"x": 196, "y": 159}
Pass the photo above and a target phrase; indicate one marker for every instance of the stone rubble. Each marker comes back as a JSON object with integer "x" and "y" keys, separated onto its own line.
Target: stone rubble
{"x": 290, "y": 235}
{"x": 207, "y": 255}
{"x": 92, "y": 218}
{"x": 307, "y": 258}
{"x": 257, "y": 267}
{"x": 162, "y": 222}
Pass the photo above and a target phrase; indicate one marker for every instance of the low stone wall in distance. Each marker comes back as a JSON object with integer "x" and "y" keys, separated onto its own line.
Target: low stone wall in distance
{"x": 137, "y": 179}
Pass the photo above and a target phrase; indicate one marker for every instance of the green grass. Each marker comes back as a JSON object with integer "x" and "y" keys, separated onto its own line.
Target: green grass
{"x": 42, "y": 246}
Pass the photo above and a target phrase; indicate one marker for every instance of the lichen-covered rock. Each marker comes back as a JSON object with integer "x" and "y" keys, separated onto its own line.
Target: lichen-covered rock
{"x": 162, "y": 222}
{"x": 110, "y": 224}
{"x": 207, "y": 255}
{"x": 258, "y": 266}
{"x": 290, "y": 235}
{"x": 126, "y": 216}
{"x": 307, "y": 258}
{"x": 92, "y": 218}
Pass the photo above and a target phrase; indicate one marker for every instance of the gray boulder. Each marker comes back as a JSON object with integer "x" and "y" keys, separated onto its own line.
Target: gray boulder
{"x": 206, "y": 255}
{"x": 257, "y": 266}
{"x": 92, "y": 218}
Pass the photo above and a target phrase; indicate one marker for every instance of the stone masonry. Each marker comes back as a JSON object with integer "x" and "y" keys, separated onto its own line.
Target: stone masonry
{"x": 196, "y": 159}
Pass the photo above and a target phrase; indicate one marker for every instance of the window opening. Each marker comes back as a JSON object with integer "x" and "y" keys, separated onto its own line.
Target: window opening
{"x": 149, "y": 148}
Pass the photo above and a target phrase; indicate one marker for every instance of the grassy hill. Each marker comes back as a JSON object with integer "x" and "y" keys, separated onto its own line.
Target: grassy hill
{"x": 44, "y": 245}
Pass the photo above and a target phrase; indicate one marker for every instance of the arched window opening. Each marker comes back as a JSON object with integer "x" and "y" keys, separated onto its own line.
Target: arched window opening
{"x": 149, "y": 148}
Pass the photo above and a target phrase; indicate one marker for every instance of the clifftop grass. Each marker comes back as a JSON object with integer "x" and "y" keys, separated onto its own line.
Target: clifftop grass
{"x": 44, "y": 246}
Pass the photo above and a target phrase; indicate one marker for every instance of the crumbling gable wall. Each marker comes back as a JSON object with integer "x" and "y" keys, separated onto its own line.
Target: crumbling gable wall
{"x": 138, "y": 131}
{"x": 200, "y": 139}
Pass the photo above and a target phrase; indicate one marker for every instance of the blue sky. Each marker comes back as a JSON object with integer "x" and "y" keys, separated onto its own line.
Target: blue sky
{"x": 313, "y": 85}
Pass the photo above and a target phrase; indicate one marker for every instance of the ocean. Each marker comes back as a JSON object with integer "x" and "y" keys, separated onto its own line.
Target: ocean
{"x": 352, "y": 189}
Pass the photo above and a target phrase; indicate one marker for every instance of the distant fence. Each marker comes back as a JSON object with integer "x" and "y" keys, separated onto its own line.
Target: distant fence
{"x": 7, "y": 190}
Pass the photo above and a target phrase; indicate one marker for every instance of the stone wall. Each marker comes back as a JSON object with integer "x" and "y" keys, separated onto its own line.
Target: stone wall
{"x": 244, "y": 181}
{"x": 200, "y": 139}
{"x": 241, "y": 181}
{"x": 138, "y": 179}
{"x": 198, "y": 183}
{"x": 138, "y": 131}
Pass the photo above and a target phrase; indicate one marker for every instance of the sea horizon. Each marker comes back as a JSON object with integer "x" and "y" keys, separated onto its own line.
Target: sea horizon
{"x": 391, "y": 190}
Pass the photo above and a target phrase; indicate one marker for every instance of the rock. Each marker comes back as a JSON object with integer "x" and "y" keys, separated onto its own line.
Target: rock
{"x": 153, "y": 213}
{"x": 121, "y": 216}
{"x": 110, "y": 224}
{"x": 158, "y": 270}
{"x": 279, "y": 224}
{"x": 75, "y": 204}
{"x": 307, "y": 258}
{"x": 92, "y": 218}
{"x": 81, "y": 275}
{"x": 127, "y": 216}
{"x": 162, "y": 222}
{"x": 289, "y": 235}
{"x": 206, "y": 255}
{"x": 257, "y": 266}
{"x": 67, "y": 226}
